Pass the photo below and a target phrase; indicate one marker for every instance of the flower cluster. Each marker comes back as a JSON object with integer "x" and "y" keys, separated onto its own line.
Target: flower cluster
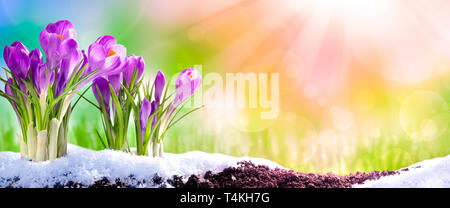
{"x": 153, "y": 114}
{"x": 161, "y": 111}
{"x": 41, "y": 93}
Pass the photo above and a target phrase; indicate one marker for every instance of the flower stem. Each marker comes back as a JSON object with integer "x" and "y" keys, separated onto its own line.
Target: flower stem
{"x": 53, "y": 139}
{"x": 23, "y": 147}
{"x": 31, "y": 143}
{"x": 155, "y": 146}
{"x": 161, "y": 146}
{"x": 41, "y": 149}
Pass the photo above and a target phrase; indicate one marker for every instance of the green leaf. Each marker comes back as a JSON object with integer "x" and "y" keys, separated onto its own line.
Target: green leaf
{"x": 107, "y": 123}
{"x": 82, "y": 96}
{"x": 191, "y": 111}
{"x": 119, "y": 116}
{"x": 100, "y": 138}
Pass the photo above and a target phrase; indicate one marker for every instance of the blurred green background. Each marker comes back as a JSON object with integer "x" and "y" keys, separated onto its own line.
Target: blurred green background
{"x": 353, "y": 106}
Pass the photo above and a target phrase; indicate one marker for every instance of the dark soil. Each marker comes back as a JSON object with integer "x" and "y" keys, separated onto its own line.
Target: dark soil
{"x": 249, "y": 175}
{"x": 245, "y": 175}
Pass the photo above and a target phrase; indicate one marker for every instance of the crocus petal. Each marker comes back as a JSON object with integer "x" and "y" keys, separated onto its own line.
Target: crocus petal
{"x": 18, "y": 61}
{"x": 140, "y": 66}
{"x": 44, "y": 40}
{"x": 63, "y": 28}
{"x": 106, "y": 41}
{"x": 58, "y": 41}
{"x": 68, "y": 65}
{"x": 82, "y": 67}
{"x": 116, "y": 81}
{"x": 51, "y": 50}
{"x": 85, "y": 60}
{"x": 160, "y": 82}
{"x": 106, "y": 55}
{"x": 154, "y": 107}
{"x": 49, "y": 42}
{"x": 6, "y": 53}
{"x": 114, "y": 63}
{"x": 128, "y": 68}
{"x": 186, "y": 84}
{"x": 18, "y": 44}
{"x": 144, "y": 112}
{"x": 96, "y": 57}
{"x": 67, "y": 47}
{"x": 131, "y": 64}
{"x": 46, "y": 79}
{"x": 103, "y": 85}
{"x": 36, "y": 60}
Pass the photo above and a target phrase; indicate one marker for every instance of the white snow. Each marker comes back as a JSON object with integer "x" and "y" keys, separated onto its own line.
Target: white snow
{"x": 87, "y": 166}
{"x": 433, "y": 173}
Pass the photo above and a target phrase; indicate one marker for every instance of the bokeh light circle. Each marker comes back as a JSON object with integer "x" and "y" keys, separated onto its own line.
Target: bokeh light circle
{"x": 424, "y": 115}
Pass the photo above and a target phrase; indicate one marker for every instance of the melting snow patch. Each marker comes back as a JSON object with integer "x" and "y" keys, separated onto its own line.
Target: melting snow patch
{"x": 433, "y": 173}
{"x": 87, "y": 166}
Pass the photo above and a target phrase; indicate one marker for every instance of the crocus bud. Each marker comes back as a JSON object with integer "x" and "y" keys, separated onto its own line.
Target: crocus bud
{"x": 17, "y": 60}
{"x": 186, "y": 84}
{"x": 116, "y": 81}
{"x": 145, "y": 111}
{"x": 105, "y": 54}
{"x": 58, "y": 42}
{"x": 36, "y": 60}
{"x": 160, "y": 82}
{"x": 155, "y": 105}
{"x": 103, "y": 85}
{"x": 41, "y": 77}
{"x": 133, "y": 63}
{"x": 67, "y": 67}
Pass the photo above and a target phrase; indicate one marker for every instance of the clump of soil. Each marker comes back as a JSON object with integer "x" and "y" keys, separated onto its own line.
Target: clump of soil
{"x": 249, "y": 175}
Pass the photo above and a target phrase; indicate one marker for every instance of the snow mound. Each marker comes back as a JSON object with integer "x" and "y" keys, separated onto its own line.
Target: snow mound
{"x": 433, "y": 173}
{"x": 87, "y": 166}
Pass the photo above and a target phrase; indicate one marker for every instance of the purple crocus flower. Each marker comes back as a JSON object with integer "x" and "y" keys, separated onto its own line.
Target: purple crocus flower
{"x": 160, "y": 82}
{"x": 186, "y": 84}
{"x": 58, "y": 42}
{"x": 133, "y": 62}
{"x": 145, "y": 111}
{"x": 67, "y": 67}
{"x": 103, "y": 85}
{"x": 36, "y": 60}
{"x": 85, "y": 60}
{"x": 18, "y": 61}
{"x": 116, "y": 81}
{"x": 107, "y": 55}
{"x": 41, "y": 78}
{"x": 147, "y": 108}
{"x": 154, "y": 107}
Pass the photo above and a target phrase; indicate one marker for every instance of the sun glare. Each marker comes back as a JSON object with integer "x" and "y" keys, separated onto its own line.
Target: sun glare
{"x": 347, "y": 8}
